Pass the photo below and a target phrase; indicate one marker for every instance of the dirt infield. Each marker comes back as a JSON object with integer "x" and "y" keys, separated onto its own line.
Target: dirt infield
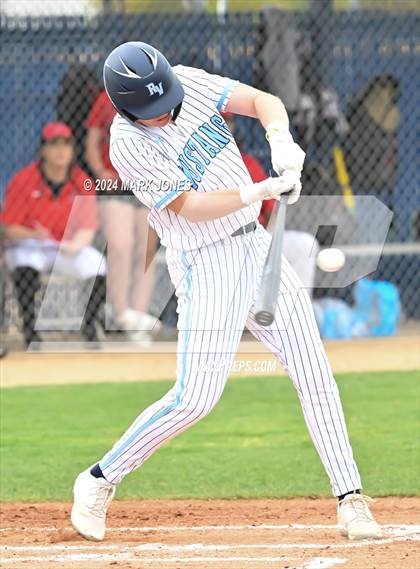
{"x": 205, "y": 534}
{"x": 159, "y": 362}
{"x": 210, "y": 534}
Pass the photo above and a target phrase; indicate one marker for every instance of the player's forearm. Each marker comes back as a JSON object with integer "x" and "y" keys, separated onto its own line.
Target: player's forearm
{"x": 286, "y": 155}
{"x": 206, "y": 206}
{"x": 269, "y": 108}
{"x": 250, "y": 102}
{"x": 196, "y": 207}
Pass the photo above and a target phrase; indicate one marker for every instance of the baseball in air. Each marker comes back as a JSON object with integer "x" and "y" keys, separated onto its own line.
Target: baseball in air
{"x": 331, "y": 260}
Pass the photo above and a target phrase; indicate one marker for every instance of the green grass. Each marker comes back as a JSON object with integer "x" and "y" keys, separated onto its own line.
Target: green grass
{"x": 254, "y": 444}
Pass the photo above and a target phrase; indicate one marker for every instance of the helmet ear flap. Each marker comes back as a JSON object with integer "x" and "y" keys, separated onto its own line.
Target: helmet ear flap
{"x": 128, "y": 115}
{"x": 176, "y": 111}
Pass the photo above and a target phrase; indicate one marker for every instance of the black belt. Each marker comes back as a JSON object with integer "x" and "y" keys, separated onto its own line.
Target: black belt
{"x": 245, "y": 229}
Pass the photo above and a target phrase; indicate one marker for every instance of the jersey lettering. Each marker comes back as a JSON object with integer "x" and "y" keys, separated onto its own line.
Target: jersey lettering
{"x": 214, "y": 135}
{"x": 219, "y": 123}
{"x": 188, "y": 151}
{"x": 193, "y": 176}
{"x": 192, "y": 167}
{"x": 211, "y": 150}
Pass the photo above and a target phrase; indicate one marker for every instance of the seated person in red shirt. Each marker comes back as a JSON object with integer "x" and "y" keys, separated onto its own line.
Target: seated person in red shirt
{"x": 46, "y": 226}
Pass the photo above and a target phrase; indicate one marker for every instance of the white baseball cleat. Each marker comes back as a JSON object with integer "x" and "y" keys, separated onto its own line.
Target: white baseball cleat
{"x": 140, "y": 326}
{"x": 133, "y": 320}
{"x": 355, "y": 519}
{"x": 92, "y": 497}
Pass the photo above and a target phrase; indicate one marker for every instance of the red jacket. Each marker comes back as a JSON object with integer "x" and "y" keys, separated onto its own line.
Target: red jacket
{"x": 257, "y": 173}
{"x": 30, "y": 201}
{"x": 101, "y": 116}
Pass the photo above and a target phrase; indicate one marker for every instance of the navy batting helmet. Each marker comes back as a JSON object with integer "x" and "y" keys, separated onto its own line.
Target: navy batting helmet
{"x": 140, "y": 82}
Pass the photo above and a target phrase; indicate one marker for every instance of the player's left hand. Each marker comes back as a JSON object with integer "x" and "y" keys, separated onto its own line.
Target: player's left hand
{"x": 285, "y": 153}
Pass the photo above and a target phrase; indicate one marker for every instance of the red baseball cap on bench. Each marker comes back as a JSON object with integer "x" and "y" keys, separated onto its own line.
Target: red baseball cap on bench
{"x": 56, "y": 130}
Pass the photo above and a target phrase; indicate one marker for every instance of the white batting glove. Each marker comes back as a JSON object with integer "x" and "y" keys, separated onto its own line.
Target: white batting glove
{"x": 272, "y": 188}
{"x": 291, "y": 180}
{"x": 285, "y": 153}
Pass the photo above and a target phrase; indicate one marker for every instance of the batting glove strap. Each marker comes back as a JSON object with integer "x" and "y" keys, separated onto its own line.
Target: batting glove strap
{"x": 278, "y": 130}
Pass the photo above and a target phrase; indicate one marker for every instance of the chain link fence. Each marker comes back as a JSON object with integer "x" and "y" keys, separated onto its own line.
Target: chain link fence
{"x": 349, "y": 80}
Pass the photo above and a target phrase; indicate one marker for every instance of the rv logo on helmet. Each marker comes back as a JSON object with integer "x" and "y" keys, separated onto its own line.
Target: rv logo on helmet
{"x": 155, "y": 89}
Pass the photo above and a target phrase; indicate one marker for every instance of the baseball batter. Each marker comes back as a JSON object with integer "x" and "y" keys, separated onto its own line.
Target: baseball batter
{"x": 170, "y": 145}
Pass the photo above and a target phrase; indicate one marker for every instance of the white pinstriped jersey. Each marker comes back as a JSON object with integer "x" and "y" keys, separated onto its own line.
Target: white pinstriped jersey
{"x": 216, "y": 286}
{"x": 198, "y": 153}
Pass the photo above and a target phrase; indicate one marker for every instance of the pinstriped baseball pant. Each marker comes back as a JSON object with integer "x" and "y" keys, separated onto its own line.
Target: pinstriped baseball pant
{"x": 216, "y": 287}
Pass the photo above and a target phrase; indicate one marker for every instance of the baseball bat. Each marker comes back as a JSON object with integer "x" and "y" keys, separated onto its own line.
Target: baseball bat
{"x": 265, "y": 307}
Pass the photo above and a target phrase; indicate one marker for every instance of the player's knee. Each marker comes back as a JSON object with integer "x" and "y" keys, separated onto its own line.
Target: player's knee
{"x": 197, "y": 410}
{"x": 203, "y": 409}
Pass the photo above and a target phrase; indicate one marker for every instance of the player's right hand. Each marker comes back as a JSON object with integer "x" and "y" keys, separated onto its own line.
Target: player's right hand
{"x": 271, "y": 188}
{"x": 290, "y": 179}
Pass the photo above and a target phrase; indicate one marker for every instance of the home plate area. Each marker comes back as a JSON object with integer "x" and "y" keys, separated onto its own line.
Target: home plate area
{"x": 197, "y": 534}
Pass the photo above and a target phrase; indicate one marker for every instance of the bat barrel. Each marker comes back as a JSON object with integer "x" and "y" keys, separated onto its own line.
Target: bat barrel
{"x": 266, "y": 304}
